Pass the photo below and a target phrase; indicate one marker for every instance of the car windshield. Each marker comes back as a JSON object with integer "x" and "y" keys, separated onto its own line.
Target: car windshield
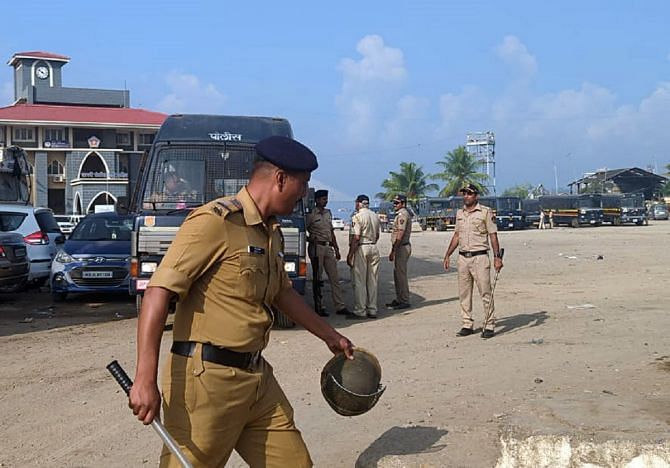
{"x": 100, "y": 228}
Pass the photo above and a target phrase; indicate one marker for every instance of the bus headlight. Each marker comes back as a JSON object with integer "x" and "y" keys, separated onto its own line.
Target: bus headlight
{"x": 148, "y": 267}
{"x": 582, "y": 211}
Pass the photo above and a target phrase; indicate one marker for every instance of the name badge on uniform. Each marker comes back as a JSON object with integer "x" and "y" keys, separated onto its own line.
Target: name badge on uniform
{"x": 256, "y": 250}
{"x": 280, "y": 255}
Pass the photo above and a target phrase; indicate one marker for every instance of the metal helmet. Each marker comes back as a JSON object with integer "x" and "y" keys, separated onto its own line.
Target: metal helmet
{"x": 352, "y": 387}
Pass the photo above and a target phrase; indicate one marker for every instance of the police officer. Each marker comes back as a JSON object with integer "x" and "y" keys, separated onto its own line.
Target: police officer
{"x": 401, "y": 249}
{"x": 364, "y": 259}
{"x": 324, "y": 253}
{"x": 225, "y": 269}
{"x": 475, "y": 225}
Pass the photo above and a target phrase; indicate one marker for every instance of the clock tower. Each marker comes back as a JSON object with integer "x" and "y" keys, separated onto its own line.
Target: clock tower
{"x": 35, "y": 71}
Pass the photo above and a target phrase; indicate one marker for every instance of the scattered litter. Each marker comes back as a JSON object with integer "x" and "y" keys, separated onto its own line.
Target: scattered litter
{"x": 499, "y": 415}
{"x": 580, "y": 306}
{"x": 118, "y": 315}
{"x": 27, "y": 320}
{"x": 608, "y": 392}
{"x": 571, "y": 257}
{"x": 600, "y": 257}
{"x": 538, "y": 341}
{"x": 538, "y": 380}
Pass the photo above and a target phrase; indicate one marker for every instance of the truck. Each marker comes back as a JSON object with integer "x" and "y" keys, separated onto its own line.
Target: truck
{"x": 633, "y": 209}
{"x": 611, "y": 205}
{"x": 193, "y": 160}
{"x": 573, "y": 210}
{"x": 438, "y": 213}
{"x": 508, "y": 210}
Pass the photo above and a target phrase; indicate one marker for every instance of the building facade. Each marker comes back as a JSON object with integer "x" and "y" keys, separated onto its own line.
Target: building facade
{"x": 78, "y": 141}
{"x": 627, "y": 180}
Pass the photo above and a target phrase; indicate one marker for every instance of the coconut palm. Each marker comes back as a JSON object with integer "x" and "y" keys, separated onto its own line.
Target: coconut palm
{"x": 410, "y": 180}
{"x": 459, "y": 169}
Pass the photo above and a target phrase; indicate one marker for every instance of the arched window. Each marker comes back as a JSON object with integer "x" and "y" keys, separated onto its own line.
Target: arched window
{"x": 102, "y": 198}
{"x": 77, "y": 204}
{"x": 55, "y": 168}
{"x": 93, "y": 166}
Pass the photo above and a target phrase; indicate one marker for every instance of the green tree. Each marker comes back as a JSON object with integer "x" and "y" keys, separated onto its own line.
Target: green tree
{"x": 410, "y": 180}
{"x": 460, "y": 168}
{"x": 521, "y": 191}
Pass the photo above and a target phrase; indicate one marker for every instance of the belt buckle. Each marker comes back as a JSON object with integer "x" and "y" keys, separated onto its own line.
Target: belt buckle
{"x": 254, "y": 360}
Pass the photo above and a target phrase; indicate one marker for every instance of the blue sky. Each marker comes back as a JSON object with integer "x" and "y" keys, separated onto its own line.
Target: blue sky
{"x": 572, "y": 85}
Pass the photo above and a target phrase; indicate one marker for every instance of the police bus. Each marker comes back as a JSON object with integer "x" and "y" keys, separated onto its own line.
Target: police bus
{"x": 573, "y": 210}
{"x": 633, "y": 209}
{"x": 508, "y": 211}
{"x": 195, "y": 159}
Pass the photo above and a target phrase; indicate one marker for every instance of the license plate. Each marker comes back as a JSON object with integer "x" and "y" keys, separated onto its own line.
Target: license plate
{"x": 510, "y": 225}
{"x": 97, "y": 274}
{"x": 635, "y": 220}
{"x": 20, "y": 252}
{"x": 141, "y": 285}
{"x": 593, "y": 221}
{"x": 289, "y": 267}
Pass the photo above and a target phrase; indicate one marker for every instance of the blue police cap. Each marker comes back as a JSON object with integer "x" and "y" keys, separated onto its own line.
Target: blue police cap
{"x": 321, "y": 193}
{"x": 287, "y": 154}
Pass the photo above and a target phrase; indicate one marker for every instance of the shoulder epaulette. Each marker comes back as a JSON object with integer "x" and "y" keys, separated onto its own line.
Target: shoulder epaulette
{"x": 225, "y": 206}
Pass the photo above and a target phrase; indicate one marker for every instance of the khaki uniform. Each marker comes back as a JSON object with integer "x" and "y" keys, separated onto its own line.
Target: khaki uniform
{"x": 320, "y": 228}
{"x": 227, "y": 268}
{"x": 402, "y": 228}
{"x": 473, "y": 230}
{"x": 365, "y": 273}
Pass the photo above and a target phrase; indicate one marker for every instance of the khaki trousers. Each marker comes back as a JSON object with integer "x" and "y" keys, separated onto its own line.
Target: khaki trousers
{"x": 365, "y": 274}
{"x": 478, "y": 270}
{"x": 400, "y": 280}
{"x": 328, "y": 262}
{"x": 212, "y": 409}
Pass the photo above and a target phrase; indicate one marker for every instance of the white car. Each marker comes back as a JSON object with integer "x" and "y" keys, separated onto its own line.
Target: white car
{"x": 40, "y": 233}
{"x": 338, "y": 223}
{"x": 65, "y": 223}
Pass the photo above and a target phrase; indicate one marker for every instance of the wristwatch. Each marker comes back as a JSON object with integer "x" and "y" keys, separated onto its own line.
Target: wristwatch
{"x": 498, "y": 255}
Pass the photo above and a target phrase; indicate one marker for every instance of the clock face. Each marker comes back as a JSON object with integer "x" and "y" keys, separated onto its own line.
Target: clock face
{"x": 42, "y": 73}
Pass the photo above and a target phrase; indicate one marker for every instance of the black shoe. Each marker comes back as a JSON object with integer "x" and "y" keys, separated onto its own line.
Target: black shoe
{"x": 402, "y": 305}
{"x": 323, "y": 313}
{"x": 488, "y": 334}
{"x": 357, "y": 317}
{"x": 393, "y": 303}
{"x": 465, "y": 332}
{"x": 343, "y": 311}
{"x": 371, "y": 316}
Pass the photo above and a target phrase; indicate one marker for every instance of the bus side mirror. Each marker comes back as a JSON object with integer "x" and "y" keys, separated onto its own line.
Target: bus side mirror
{"x": 121, "y": 206}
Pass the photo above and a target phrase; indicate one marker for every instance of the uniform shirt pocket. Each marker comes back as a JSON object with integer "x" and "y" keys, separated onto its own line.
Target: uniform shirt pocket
{"x": 479, "y": 226}
{"x": 253, "y": 275}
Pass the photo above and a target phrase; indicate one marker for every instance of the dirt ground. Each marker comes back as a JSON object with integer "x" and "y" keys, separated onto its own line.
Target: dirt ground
{"x": 582, "y": 344}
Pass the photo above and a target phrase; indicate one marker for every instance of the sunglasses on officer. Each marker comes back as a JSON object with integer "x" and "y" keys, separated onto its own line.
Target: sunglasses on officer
{"x": 396, "y": 202}
{"x": 468, "y": 192}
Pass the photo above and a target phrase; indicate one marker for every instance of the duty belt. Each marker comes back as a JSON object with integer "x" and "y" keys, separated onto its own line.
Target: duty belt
{"x": 404, "y": 243}
{"x": 367, "y": 243}
{"x": 323, "y": 243}
{"x": 218, "y": 355}
{"x": 473, "y": 254}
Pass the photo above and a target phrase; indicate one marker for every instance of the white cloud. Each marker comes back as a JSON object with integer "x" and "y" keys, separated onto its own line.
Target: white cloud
{"x": 515, "y": 53}
{"x": 370, "y": 87}
{"x": 188, "y": 94}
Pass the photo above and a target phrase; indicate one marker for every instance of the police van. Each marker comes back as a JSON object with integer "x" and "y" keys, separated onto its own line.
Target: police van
{"x": 193, "y": 160}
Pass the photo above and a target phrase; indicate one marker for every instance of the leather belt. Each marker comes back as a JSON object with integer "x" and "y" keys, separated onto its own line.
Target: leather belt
{"x": 367, "y": 243}
{"x": 404, "y": 243}
{"x": 218, "y": 355}
{"x": 323, "y": 243}
{"x": 473, "y": 254}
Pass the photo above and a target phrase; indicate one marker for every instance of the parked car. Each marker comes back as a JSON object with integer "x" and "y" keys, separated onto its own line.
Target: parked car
{"x": 659, "y": 211}
{"x": 14, "y": 265}
{"x": 96, "y": 257}
{"x": 40, "y": 233}
{"x": 65, "y": 223}
{"x": 338, "y": 223}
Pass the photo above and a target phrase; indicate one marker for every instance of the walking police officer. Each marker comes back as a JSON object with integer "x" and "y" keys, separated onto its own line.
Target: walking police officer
{"x": 324, "y": 253}
{"x": 401, "y": 249}
{"x": 225, "y": 269}
{"x": 364, "y": 259}
{"x": 475, "y": 225}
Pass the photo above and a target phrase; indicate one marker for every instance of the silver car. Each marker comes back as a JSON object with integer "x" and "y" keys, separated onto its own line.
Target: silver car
{"x": 40, "y": 233}
{"x": 659, "y": 211}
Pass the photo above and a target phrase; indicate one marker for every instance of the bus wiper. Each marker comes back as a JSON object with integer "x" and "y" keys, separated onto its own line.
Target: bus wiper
{"x": 186, "y": 208}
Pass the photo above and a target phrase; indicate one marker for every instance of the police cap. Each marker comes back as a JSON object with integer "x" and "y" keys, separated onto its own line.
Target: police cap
{"x": 287, "y": 154}
{"x": 401, "y": 197}
{"x": 321, "y": 193}
{"x": 470, "y": 188}
{"x": 362, "y": 199}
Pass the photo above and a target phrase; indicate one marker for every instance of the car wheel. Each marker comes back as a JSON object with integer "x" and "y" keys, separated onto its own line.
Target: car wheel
{"x": 59, "y": 296}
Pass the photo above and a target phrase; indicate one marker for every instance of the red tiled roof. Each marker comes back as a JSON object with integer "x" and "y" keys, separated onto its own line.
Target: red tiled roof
{"x": 80, "y": 115}
{"x": 38, "y": 54}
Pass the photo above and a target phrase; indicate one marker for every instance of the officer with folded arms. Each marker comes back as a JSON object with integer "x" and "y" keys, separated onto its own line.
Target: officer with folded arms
{"x": 225, "y": 269}
{"x": 475, "y": 226}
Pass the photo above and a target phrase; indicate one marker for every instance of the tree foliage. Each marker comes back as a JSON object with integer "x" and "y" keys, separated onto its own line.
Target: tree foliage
{"x": 460, "y": 168}
{"x": 410, "y": 180}
{"x": 522, "y": 191}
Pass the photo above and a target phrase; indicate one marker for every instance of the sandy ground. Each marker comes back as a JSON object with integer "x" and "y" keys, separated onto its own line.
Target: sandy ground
{"x": 600, "y": 369}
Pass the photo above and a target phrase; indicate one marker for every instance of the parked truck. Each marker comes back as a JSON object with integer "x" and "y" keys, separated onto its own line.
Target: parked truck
{"x": 195, "y": 159}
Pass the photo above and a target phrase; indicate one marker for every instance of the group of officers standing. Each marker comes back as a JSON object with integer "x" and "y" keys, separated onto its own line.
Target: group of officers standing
{"x": 363, "y": 257}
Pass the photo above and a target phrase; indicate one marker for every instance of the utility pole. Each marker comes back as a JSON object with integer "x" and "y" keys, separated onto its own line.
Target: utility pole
{"x": 556, "y": 178}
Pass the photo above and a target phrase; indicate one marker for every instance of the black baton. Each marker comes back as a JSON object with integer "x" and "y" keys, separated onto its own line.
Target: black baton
{"x": 124, "y": 381}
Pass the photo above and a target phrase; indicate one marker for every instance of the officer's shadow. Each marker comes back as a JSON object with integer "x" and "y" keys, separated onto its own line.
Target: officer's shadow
{"x": 523, "y": 320}
{"x": 402, "y": 441}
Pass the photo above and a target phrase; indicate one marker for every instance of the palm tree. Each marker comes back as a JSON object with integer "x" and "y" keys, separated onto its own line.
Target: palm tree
{"x": 459, "y": 169}
{"x": 410, "y": 180}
